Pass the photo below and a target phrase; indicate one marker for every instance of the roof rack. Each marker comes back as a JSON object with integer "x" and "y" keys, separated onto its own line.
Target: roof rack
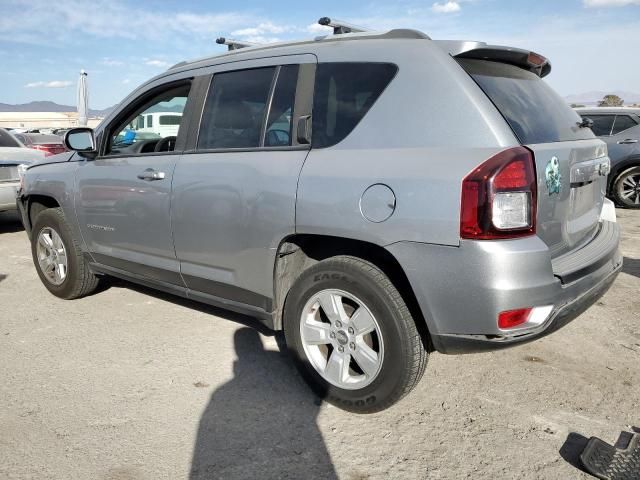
{"x": 234, "y": 44}
{"x": 340, "y": 27}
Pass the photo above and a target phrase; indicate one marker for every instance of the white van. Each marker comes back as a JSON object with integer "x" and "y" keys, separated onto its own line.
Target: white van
{"x": 165, "y": 124}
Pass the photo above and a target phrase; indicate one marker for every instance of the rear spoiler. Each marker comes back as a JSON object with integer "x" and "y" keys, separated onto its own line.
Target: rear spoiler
{"x": 525, "y": 59}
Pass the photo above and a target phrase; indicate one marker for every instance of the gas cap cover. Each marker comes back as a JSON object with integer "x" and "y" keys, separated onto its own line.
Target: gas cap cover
{"x": 377, "y": 203}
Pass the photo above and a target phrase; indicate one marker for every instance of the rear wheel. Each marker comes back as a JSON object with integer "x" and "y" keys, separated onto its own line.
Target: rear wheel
{"x": 352, "y": 336}
{"x": 626, "y": 188}
{"x": 58, "y": 258}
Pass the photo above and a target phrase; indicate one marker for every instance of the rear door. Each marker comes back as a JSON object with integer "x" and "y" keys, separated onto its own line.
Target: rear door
{"x": 234, "y": 189}
{"x": 571, "y": 163}
{"x": 624, "y": 139}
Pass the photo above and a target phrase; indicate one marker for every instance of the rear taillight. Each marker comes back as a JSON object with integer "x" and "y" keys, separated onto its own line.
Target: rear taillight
{"x": 49, "y": 149}
{"x": 499, "y": 197}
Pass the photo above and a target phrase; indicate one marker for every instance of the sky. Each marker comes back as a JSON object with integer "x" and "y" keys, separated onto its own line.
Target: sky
{"x": 592, "y": 44}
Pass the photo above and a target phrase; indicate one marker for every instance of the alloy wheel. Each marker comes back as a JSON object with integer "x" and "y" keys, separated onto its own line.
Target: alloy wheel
{"x": 52, "y": 256}
{"x": 342, "y": 339}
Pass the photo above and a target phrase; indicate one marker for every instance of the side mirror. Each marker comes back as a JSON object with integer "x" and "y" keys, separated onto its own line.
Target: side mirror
{"x": 80, "y": 140}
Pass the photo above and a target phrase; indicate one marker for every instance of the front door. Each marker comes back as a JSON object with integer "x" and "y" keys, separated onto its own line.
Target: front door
{"x": 124, "y": 195}
{"x": 235, "y": 192}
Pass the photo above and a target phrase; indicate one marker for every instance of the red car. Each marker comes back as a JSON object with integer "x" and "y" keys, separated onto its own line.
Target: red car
{"x": 49, "y": 144}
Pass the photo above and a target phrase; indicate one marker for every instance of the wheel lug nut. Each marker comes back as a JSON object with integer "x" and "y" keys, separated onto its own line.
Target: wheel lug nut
{"x": 351, "y": 331}
{"x": 338, "y": 323}
{"x": 332, "y": 335}
{"x": 341, "y": 349}
{"x": 352, "y": 346}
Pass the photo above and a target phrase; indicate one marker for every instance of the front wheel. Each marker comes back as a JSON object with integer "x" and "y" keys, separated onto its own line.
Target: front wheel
{"x": 352, "y": 336}
{"x": 626, "y": 188}
{"x": 58, "y": 258}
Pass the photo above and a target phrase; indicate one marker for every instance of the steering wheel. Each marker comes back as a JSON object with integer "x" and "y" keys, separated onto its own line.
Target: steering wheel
{"x": 166, "y": 144}
{"x": 274, "y": 139}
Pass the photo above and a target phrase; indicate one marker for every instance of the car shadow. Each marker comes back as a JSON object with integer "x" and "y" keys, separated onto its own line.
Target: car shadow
{"x": 631, "y": 266}
{"x": 3, "y": 277}
{"x": 261, "y": 423}
{"x": 10, "y": 223}
{"x": 111, "y": 282}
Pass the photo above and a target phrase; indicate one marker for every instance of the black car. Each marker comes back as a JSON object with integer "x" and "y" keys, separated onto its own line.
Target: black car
{"x": 620, "y": 128}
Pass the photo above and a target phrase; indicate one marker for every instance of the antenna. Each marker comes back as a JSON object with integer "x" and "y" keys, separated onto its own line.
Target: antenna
{"x": 340, "y": 27}
{"x": 234, "y": 44}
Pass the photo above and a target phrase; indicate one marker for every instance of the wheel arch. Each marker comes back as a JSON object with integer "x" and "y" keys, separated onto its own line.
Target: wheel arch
{"x": 298, "y": 252}
{"x": 37, "y": 203}
{"x": 618, "y": 168}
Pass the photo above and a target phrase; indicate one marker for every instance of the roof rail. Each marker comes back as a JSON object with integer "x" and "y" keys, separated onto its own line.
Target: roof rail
{"x": 340, "y": 27}
{"x": 234, "y": 44}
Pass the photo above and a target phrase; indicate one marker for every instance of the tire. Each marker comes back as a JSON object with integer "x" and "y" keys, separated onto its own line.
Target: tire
{"x": 626, "y": 188}
{"x": 74, "y": 281}
{"x": 397, "y": 347}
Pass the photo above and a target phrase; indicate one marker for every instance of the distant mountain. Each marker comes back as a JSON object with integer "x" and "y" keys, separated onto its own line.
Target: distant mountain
{"x": 592, "y": 98}
{"x": 47, "y": 106}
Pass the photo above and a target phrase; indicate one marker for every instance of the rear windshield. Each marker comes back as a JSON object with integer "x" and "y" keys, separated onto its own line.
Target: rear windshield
{"x": 7, "y": 140}
{"x": 535, "y": 113}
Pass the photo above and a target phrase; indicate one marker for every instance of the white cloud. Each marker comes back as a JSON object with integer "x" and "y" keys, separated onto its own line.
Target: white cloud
{"x": 446, "y": 7}
{"x": 110, "y": 62}
{"x": 316, "y": 28}
{"x": 52, "y": 84}
{"x": 609, "y": 3}
{"x": 157, "y": 63}
{"x": 24, "y": 22}
{"x": 260, "y": 39}
{"x": 261, "y": 29}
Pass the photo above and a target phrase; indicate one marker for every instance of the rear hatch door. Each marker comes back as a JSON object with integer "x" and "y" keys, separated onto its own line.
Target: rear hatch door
{"x": 571, "y": 163}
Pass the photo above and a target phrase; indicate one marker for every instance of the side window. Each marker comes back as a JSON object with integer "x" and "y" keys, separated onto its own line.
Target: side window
{"x": 235, "y": 108}
{"x": 622, "y": 123}
{"x": 344, "y": 93}
{"x": 279, "y": 124}
{"x": 602, "y": 124}
{"x": 131, "y": 137}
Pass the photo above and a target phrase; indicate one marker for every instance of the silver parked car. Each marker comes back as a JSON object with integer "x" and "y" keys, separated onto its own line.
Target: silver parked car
{"x": 375, "y": 195}
{"x": 14, "y": 158}
{"x": 620, "y": 129}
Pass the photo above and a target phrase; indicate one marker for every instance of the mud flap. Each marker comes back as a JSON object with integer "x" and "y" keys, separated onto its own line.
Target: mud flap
{"x": 610, "y": 462}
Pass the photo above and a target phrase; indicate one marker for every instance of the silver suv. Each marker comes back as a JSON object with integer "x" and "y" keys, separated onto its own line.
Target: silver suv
{"x": 375, "y": 195}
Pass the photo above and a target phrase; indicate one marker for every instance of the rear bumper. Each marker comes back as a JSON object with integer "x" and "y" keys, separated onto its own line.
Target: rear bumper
{"x": 461, "y": 290}
{"x": 8, "y": 192}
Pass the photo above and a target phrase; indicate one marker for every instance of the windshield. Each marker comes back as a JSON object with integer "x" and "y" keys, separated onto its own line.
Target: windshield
{"x": 7, "y": 140}
{"x": 535, "y": 113}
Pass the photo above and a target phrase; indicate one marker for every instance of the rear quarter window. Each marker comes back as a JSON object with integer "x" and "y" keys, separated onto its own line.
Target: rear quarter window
{"x": 535, "y": 113}
{"x": 344, "y": 93}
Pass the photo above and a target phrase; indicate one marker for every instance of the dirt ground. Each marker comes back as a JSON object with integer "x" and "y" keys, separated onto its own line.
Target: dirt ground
{"x": 131, "y": 384}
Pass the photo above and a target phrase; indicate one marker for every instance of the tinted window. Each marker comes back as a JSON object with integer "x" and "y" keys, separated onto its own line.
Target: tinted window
{"x": 7, "y": 140}
{"x": 344, "y": 93}
{"x": 535, "y": 113}
{"x": 622, "y": 123}
{"x": 234, "y": 110}
{"x": 149, "y": 121}
{"x": 170, "y": 120}
{"x": 602, "y": 124}
{"x": 278, "y": 132}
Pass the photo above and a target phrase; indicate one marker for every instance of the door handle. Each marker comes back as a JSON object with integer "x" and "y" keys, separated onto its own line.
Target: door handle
{"x": 150, "y": 175}
{"x": 627, "y": 141}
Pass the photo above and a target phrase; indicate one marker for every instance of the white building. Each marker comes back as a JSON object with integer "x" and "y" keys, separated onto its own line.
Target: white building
{"x": 43, "y": 120}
